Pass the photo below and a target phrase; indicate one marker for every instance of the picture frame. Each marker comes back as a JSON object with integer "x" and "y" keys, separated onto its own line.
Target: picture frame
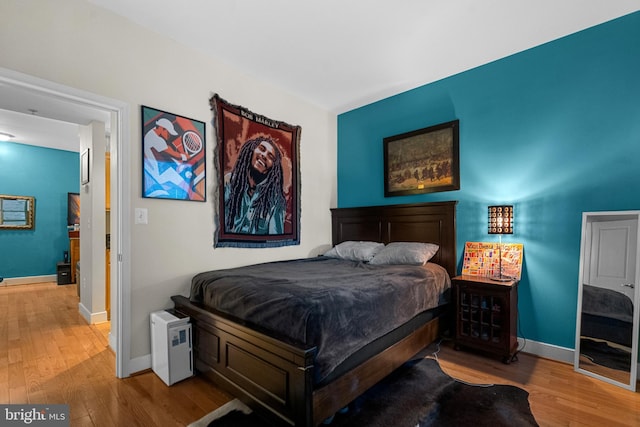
{"x": 426, "y": 160}
{"x": 17, "y": 212}
{"x": 84, "y": 166}
{"x": 173, "y": 156}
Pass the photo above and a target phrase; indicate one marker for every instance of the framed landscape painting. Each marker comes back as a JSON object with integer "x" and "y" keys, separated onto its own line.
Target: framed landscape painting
{"x": 422, "y": 161}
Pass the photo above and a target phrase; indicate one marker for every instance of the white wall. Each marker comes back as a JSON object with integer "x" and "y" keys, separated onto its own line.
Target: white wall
{"x": 93, "y": 226}
{"x": 76, "y": 44}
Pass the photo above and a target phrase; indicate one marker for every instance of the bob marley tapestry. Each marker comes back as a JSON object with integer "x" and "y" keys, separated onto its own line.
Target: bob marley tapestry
{"x": 258, "y": 202}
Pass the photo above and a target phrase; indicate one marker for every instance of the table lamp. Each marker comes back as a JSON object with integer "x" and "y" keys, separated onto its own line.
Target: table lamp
{"x": 501, "y": 222}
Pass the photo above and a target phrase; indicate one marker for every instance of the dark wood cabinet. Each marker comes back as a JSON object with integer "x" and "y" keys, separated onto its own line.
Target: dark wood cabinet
{"x": 486, "y": 315}
{"x": 63, "y": 272}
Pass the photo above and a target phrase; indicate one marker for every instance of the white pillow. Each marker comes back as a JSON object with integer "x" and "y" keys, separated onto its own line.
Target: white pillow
{"x": 412, "y": 253}
{"x": 355, "y": 251}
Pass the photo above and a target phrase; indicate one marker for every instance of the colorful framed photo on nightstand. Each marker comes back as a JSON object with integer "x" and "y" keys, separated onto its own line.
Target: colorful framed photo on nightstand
{"x": 481, "y": 259}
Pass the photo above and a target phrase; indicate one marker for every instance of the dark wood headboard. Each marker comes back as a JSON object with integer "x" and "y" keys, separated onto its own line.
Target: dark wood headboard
{"x": 420, "y": 222}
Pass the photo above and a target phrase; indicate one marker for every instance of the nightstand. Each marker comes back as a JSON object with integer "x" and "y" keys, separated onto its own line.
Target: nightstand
{"x": 486, "y": 315}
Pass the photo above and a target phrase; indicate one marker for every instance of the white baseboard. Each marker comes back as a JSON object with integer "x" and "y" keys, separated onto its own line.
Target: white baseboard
{"x": 112, "y": 342}
{"x": 140, "y": 364}
{"x": 99, "y": 317}
{"x": 28, "y": 280}
{"x": 548, "y": 351}
{"x": 86, "y": 314}
{"x": 553, "y": 352}
{"x": 92, "y": 318}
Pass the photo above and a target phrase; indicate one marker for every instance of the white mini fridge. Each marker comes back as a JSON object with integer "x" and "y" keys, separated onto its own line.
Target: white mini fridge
{"x": 171, "y": 349}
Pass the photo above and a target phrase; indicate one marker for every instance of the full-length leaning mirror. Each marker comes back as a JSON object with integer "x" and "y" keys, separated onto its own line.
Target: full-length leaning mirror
{"x": 607, "y": 320}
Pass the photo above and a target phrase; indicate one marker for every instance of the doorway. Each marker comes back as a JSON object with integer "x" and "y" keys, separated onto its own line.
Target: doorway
{"x": 612, "y": 255}
{"x": 72, "y": 105}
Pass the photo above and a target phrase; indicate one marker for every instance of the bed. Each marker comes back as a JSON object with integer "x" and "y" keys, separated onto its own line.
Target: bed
{"x": 607, "y": 315}
{"x": 281, "y": 374}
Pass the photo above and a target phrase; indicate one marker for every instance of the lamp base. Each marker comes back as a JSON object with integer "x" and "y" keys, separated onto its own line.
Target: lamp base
{"x": 501, "y": 278}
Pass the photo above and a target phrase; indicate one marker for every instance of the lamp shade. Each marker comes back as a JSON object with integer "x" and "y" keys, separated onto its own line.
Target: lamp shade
{"x": 501, "y": 219}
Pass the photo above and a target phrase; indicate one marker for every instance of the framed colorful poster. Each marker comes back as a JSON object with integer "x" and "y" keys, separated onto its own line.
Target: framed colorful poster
{"x": 258, "y": 178}
{"x": 482, "y": 259}
{"x": 173, "y": 156}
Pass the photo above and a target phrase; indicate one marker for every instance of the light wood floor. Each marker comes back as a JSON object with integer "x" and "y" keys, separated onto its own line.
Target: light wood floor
{"x": 558, "y": 395}
{"x": 48, "y": 354}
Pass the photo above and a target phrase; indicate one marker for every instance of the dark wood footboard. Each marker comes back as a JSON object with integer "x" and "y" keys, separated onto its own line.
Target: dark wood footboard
{"x": 270, "y": 375}
{"x": 275, "y": 377}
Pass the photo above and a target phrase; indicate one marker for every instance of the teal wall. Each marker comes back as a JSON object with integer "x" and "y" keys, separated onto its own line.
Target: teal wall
{"x": 554, "y": 130}
{"x": 48, "y": 175}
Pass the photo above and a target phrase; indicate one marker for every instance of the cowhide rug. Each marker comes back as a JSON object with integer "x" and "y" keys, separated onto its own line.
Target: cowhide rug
{"x": 417, "y": 394}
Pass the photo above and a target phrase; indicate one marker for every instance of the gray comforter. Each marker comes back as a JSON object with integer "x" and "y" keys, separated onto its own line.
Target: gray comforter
{"x": 606, "y": 303}
{"x": 336, "y": 305}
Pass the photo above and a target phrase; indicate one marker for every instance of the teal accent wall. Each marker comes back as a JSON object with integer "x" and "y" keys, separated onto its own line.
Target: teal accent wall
{"x": 554, "y": 130}
{"x": 48, "y": 175}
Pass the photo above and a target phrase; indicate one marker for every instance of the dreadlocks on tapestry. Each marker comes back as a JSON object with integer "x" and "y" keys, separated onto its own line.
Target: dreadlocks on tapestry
{"x": 253, "y": 194}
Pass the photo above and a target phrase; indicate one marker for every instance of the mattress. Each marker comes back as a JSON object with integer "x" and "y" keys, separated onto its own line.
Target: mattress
{"x": 338, "y": 306}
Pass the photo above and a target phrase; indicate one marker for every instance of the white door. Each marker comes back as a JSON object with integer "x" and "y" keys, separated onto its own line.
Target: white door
{"x": 613, "y": 254}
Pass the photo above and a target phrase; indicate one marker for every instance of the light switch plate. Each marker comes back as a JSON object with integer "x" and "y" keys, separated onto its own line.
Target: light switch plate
{"x": 141, "y": 216}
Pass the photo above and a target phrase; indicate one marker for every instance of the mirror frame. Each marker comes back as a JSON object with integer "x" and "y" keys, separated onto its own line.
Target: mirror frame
{"x": 585, "y": 241}
{"x": 29, "y": 212}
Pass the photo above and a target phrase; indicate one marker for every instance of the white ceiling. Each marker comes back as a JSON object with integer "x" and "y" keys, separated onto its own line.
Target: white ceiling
{"x": 342, "y": 54}
{"x": 35, "y": 118}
